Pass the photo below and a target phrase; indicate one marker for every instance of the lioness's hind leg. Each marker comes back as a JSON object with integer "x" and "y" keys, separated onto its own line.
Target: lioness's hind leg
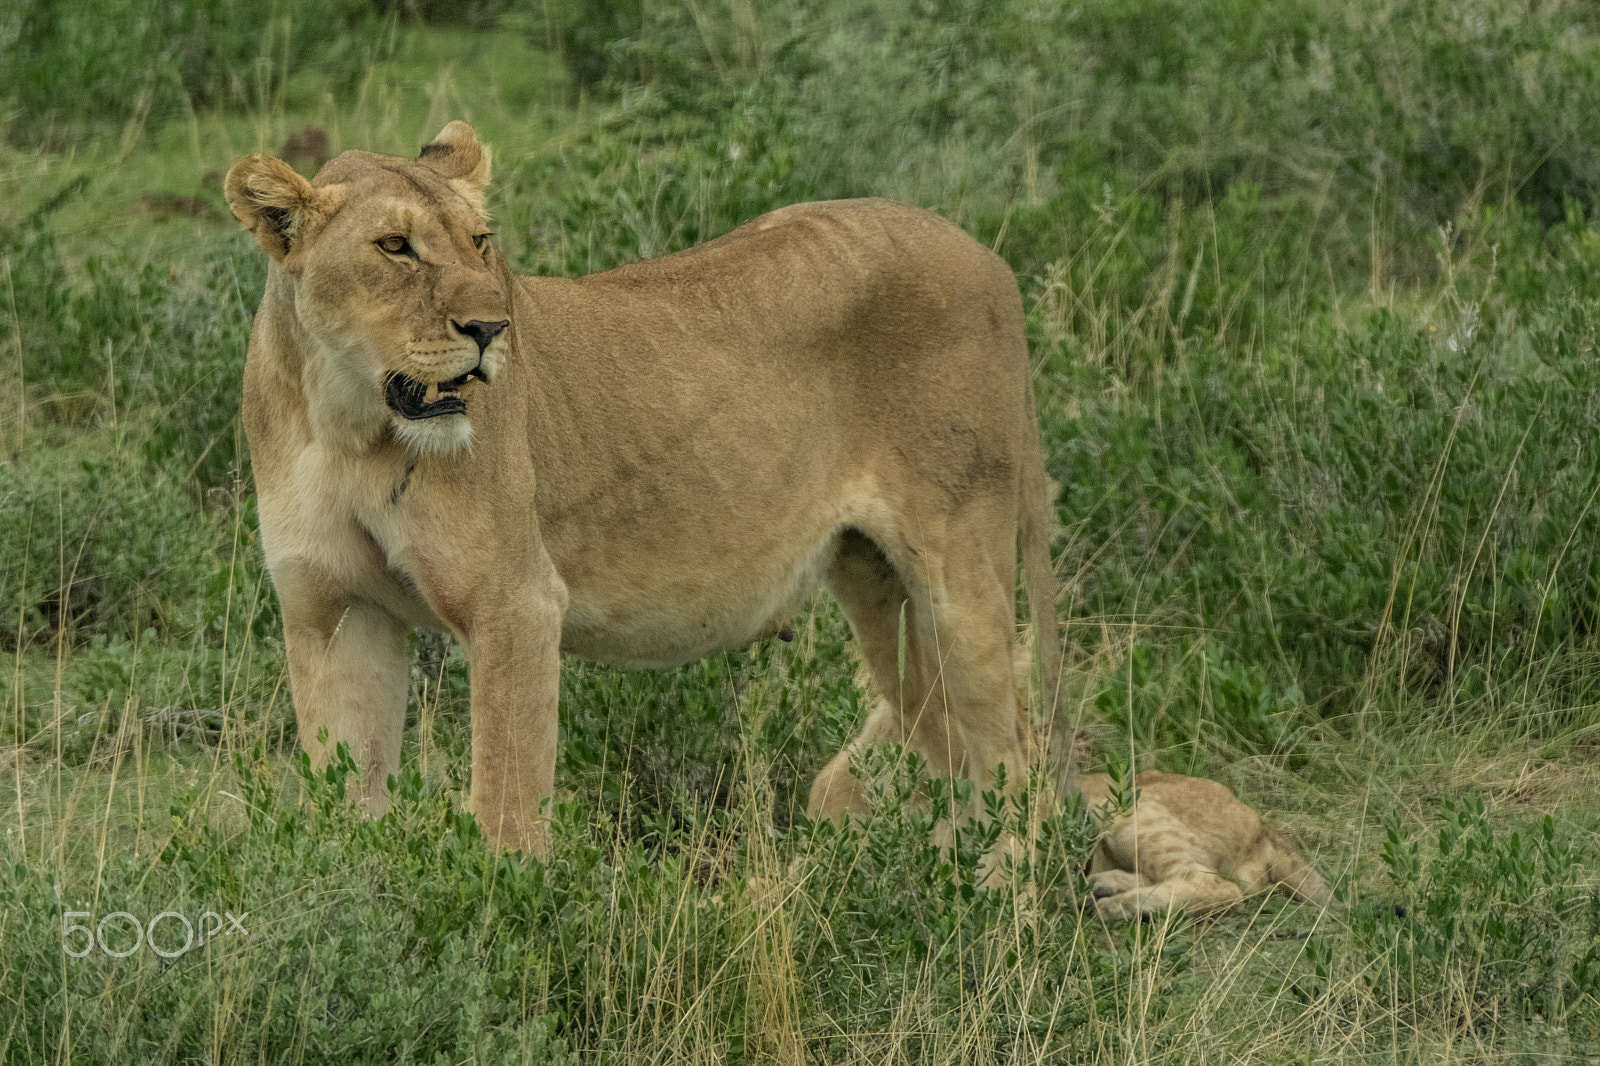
{"x": 952, "y": 698}
{"x": 969, "y": 725}
{"x": 873, "y": 598}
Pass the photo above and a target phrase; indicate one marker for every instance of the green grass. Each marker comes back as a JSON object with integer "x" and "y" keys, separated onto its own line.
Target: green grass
{"x": 1312, "y": 293}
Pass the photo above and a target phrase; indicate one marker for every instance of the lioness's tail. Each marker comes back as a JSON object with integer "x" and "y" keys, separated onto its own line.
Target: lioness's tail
{"x": 1036, "y": 523}
{"x": 1288, "y": 871}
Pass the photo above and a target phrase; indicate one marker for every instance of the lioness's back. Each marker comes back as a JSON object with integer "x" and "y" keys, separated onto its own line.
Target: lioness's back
{"x": 889, "y": 308}
{"x": 867, "y": 266}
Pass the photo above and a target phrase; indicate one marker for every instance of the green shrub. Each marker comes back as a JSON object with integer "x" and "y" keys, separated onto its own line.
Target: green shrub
{"x": 1412, "y": 501}
{"x": 406, "y": 939}
{"x": 128, "y": 337}
{"x": 591, "y": 38}
{"x": 1487, "y": 923}
{"x": 136, "y": 375}
{"x": 648, "y": 741}
{"x": 69, "y": 67}
{"x": 95, "y": 540}
{"x": 1360, "y": 126}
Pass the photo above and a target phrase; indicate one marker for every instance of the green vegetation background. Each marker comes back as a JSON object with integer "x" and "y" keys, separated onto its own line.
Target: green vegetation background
{"x": 1312, "y": 293}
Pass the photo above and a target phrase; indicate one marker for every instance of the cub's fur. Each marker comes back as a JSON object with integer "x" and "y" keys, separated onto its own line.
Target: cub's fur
{"x": 1187, "y": 844}
{"x": 641, "y": 467}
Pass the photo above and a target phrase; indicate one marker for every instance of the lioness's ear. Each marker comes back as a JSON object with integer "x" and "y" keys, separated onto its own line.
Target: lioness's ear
{"x": 457, "y": 155}
{"x": 271, "y": 200}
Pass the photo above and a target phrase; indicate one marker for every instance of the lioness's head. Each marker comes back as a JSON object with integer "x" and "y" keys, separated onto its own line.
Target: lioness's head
{"x": 394, "y": 284}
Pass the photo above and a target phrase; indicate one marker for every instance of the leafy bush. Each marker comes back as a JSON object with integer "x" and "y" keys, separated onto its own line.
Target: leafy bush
{"x": 67, "y": 66}
{"x": 138, "y": 377}
{"x": 1368, "y": 124}
{"x": 1197, "y": 696}
{"x": 602, "y": 201}
{"x": 95, "y": 540}
{"x": 652, "y": 741}
{"x": 590, "y": 38}
{"x": 910, "y": 921}
{"x": 127, "y": 337}
{"x": 1321, "y": 503}
{"x": 1498, "y": 923}
{"x": 406, "y": 939}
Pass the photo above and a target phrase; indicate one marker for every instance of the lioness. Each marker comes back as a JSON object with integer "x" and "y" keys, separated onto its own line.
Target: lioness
{"x": 1186, "y": 844}
{"x": 642, "y": 467}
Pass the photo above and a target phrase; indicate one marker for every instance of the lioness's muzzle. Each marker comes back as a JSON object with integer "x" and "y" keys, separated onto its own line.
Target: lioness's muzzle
{"x": 413, "y": 399}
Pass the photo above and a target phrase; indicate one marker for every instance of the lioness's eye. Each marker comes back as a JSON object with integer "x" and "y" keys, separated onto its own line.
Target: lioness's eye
{"x": 481, "y": 241}
{"x": 395, "y": 245}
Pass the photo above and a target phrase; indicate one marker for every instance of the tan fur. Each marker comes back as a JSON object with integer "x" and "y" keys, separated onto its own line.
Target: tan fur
{"x": 665, "y": 461}
{"x": 1187, "y": 844}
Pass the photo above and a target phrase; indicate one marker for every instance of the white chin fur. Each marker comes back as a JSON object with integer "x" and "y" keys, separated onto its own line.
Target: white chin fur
{"x": 434, "y": 436}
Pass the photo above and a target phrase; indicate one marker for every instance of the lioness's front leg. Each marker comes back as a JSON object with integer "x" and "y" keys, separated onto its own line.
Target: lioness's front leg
{"x": 347, "y": 673}
{"x": 513, "y": 641}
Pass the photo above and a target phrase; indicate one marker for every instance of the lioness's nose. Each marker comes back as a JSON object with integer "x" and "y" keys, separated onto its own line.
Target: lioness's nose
{"x": 481, "y": 331}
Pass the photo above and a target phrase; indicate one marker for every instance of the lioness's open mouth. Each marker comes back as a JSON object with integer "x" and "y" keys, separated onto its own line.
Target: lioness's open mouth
{"x": 415, "y": 400}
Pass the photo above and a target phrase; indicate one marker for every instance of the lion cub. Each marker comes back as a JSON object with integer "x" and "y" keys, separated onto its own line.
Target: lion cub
{"x": 1186, "y": 843}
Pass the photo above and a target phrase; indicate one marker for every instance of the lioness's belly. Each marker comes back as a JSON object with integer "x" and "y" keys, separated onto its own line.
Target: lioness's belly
{"x": 660, "y": 615}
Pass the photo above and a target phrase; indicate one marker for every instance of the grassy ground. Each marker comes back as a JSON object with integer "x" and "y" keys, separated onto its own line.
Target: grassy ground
{"x": 1311, "y": 293}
